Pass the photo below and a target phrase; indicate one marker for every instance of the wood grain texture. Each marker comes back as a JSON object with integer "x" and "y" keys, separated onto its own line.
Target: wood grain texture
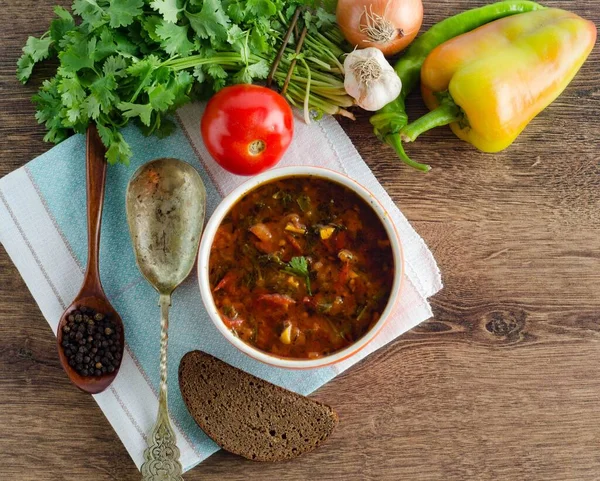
{"x": 502, "y": 384}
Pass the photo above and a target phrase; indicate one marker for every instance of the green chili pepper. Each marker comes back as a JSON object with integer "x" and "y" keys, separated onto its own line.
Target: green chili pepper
{"x": 388, "y": 121}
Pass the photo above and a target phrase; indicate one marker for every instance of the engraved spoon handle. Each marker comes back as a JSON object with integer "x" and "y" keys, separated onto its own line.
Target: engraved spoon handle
{"x": 165, "y": 304}
{"x": 161, "y": 457}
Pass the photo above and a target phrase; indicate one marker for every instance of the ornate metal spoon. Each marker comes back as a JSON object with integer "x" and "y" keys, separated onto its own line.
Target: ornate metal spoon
{"x": 166, "y": 202}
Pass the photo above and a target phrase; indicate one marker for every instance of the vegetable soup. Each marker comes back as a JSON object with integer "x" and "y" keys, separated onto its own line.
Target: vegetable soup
{"x": 301, "y": 267}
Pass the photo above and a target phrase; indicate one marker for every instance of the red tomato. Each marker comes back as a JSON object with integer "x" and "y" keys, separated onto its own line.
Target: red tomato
{"x": 247, "y": 128}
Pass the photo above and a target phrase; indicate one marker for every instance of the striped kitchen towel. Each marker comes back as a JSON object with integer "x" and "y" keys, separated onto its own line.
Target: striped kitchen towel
{"x": 43, "y": 229}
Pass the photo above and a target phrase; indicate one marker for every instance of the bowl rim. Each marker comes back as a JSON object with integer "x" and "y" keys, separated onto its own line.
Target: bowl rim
{"x": 281, "y": 173}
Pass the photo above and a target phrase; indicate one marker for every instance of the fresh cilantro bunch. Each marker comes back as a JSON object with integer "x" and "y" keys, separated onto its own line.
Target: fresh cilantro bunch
{"x": 139, "y": 60}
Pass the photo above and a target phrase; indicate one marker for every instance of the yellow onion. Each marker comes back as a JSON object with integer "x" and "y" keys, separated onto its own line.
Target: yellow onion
{"x": 388, "y": 25}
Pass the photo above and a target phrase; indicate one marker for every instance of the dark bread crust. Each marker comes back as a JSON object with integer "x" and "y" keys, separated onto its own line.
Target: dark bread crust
{"x": 248, "y": 416}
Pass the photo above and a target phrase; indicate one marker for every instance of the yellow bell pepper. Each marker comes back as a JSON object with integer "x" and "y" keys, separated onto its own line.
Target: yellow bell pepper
{"x": 488, "y": 84}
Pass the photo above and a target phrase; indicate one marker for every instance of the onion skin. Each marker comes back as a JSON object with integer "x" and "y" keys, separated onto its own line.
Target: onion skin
{"x": 405, "y": 16}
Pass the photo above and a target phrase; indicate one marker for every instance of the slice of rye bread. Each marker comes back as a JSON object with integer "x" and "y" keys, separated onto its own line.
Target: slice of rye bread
{"x": 248, "y": 416}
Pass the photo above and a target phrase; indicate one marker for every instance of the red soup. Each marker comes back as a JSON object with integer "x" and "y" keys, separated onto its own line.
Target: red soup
{"x": 301, "y": 267}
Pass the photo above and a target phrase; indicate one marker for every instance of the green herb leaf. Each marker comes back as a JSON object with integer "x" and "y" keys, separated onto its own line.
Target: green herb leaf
{"x": 259, "y": 40}
{"x": 60, "y": 26}
{"x": 105, "y": 45}
{"x": 24, "y": 68}
{"x": 115, "y": 66}
{"x": 103, "y": 88}
{"x": 175, "y": 39}
{"x": 119, "y": 150}
{"x": 261, "y": 8}
{"x": 143, "y": 111}
{"x": 211, "y": 22}
{"x": 236, "y": 12}
{"x": 259, "y": 70}
{"x": 122, "y": 12}
{"x": 160, "y": 98}
{"x": 218, "y": 74}
{"x": 71, "y": 91}
{"x": 79, "y": 55}
{"x": 91, "y": 14}
{"x": 304, "y": 202}
{"x": 324, "y": 19}
{"x": 167, "y": 8}
{"x": 298, "y": 266}
{"x": 49, "y": 106}
{"x": 91, "y": 107}
{"x": 35, "y": 49}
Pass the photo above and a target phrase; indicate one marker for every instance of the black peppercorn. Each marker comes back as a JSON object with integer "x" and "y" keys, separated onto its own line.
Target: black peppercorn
{"x": 90, "y": 342}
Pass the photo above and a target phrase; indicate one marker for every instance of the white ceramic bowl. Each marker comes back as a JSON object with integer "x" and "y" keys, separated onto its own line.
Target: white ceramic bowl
{"x": 214, "y": 223}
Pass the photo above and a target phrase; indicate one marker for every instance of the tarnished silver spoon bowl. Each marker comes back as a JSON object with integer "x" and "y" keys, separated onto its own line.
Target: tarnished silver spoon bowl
{"x": 166, "y": 204}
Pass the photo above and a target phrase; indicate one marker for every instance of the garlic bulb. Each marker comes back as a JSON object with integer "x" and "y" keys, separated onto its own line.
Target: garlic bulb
{"x": 370, "y": 79}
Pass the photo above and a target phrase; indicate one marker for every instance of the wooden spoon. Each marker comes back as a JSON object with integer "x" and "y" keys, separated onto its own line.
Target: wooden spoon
{"x": 91, "y": 294}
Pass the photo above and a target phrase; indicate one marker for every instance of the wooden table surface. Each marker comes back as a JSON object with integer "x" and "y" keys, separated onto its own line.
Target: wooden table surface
{"x": 502, "y": 384}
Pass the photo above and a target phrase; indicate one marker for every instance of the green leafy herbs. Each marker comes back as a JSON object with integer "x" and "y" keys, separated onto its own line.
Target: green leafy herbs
{"x": 167, "y": 8}
{"x": 122, "y": 61}
{"x": 304, "y": 202}
{"x": 298, "y": 266}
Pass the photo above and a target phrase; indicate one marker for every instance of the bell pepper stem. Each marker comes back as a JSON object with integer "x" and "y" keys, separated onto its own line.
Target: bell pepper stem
{"x": 395, "y": 141}
{"x": 445, "y": 114}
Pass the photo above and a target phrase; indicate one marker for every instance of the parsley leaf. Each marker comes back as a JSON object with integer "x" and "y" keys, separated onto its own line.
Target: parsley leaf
{"x": 103, "y": 89}
{"x": 143, "y": 111}
{"x": 71, "y": 92}
{"x": 211, "y": 22}
{"x": 91, "y": 13}
{"x": 91, "y": 107}
{"x": 149, "y": 24}
{"x": 79, "y": 55}
{"x": 122, "y": 12}
{"x": 325, "y": 19}
{"x": 105, "y": 45}
{"x": 236, "y": 12}
{"x": 261, "y": 8}
{"x": 167, "y": 8}
{"x": 259, "y": 70}
{"x": 259, "y": 40}
{"x": 35, "y": 49}
{"x": 160, "y": 98}
{"x": 49, "y": 106}
{"x": 298, "y": 266}
{"x": 61, "y": 25}
{"x": 115, "y": 65}
{"x": 218, "y": 74}
{"x": 175, "y": 38}
{"x": 118, "y": 150}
